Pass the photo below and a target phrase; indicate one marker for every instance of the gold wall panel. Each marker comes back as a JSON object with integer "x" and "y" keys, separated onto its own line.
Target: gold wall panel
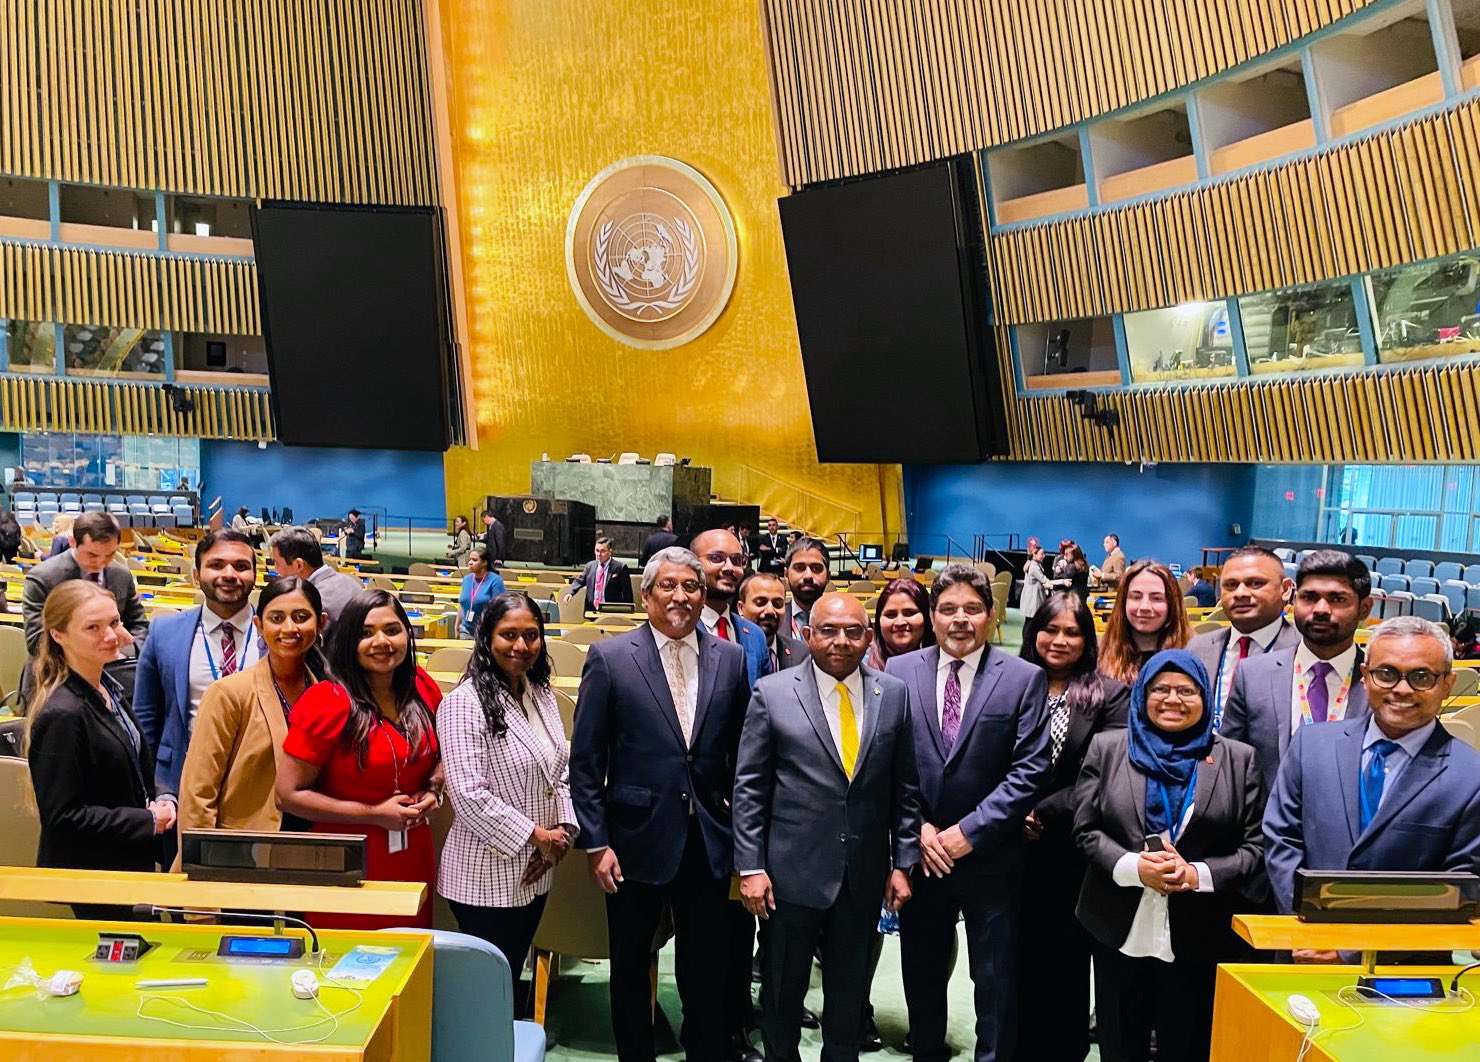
{"x": 82, "y": 286}
{"x": 546, "y": 95}
{"x": 866, "y": 85}
{"x": 126, "y": 408}
{"x": 299, "y": 99}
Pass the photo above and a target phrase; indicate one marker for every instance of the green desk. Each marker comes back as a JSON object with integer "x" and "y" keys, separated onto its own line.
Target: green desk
{"x": 1251, "y": 1022}
{"x": 392, "y": 1021}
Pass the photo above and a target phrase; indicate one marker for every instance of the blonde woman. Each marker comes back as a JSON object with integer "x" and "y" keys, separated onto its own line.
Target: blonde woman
{"x": 92, "y": 771}
{"x": 61, "y": 533}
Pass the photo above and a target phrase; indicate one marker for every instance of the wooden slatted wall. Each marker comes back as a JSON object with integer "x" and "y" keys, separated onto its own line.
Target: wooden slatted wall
{"x": 867, "y": 85}
{"x": 94, "y": 406}
{"x": 1403, "y": 195}
{"x": 325, "y": 100}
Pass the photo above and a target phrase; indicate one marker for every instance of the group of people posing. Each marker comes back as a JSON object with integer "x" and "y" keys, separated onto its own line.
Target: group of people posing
{"x": 764, "y": 752}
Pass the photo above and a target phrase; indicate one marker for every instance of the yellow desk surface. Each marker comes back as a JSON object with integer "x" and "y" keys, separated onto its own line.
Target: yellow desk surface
{"x": 392, "y": 1021}
{"x": 1286, "y": 932}
{"x": 54, "y": 885}
{"x": 1252, "y": 1023}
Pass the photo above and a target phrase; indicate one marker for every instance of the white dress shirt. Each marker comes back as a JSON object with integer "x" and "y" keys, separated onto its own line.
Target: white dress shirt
{"x": 690, "y": 656}
{"x": 209, "y": 629}
{"x": 1262, "y": 639}
{"x": 1341, "y": 667}
{"x": 1150, "y": 935}
{"x": 710, "y": 619}
{"x": 1409, "y": 746}
{"x": 970, "y": 664}
{"x": 532, "y": 715}
{"x": 827, "y": 688}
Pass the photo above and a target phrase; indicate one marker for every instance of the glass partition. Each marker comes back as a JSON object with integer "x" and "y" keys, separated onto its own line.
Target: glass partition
{"x": 65, "y": 459}
{"x": 31, "y": 345}
{"x": 1427, "y": 311}
{"x": 1301, "y": 329}
{"x": 1192, "y": 341}
{"x": 101, "y": 350}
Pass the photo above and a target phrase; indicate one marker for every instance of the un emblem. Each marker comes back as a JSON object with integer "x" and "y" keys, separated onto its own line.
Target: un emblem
{"x": 650, "y": 249}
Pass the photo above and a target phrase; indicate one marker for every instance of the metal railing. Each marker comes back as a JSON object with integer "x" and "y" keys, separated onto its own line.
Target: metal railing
{"x": 798, "y": 506}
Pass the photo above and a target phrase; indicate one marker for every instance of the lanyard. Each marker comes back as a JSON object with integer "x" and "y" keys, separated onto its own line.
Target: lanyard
{"x": 477, "y": 585}
{"x": 395, "y": 760}
{"x": 200, "y": 625}
{"x": 1337, "y": 709}
{"x": 1175, "y": 828}
{"x": 283, "y": 697}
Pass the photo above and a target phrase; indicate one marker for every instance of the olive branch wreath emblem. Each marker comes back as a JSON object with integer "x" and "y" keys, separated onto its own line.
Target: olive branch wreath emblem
{"x": 619, "y": 297}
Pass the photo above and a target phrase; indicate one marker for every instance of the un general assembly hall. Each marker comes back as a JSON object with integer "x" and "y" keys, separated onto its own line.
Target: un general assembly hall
{"x": 740, "y": 530}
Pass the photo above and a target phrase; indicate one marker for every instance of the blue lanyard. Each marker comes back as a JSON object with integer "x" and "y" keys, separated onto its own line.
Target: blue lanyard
{"x": 200, "y": 625}
{"x": 1175, "y": 828}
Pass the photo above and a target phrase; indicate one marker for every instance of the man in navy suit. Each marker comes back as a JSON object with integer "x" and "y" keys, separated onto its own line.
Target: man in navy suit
{"x": 1316, "y": 681}
{"x": 983, "y": 746}
{"x": 1393, "y": 791}
{"x": 605, "y": 579}
{"x": 652, "y": 770}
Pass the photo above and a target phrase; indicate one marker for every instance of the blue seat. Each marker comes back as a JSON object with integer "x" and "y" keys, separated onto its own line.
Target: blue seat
{"x": 1303, "y": 554}
{"x": 1390, "y": 565}
{"x": 1390, "y": 583}
{"x": 1368, "y": 560}
{"x": 1446, "y": 570}
{"x": 1471, "y": 574}
{"x": 1456, "y": 593}
{"x": 1291, "y": 570}
{"x": 1285, "y": 553}
{"x": 473, "y": 1003}
{"x": 87, "y": 498}
{"x": 1420, "y": 568}
{"x": 1472, "y": 598}
{"x": 1397, "y": 603}
{"x": 24, "y": 496}
{"x": 1431, "y": 607}
{"x": 185, "y": 517}
{"x": 1422, "y": 587}
{"x": 70, "y": 496}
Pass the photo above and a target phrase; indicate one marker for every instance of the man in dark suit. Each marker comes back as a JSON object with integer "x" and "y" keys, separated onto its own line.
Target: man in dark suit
{"x": 1318, "y": 680}
{"x": 495, "y": 539}
{"x": 1393, "y": 791}
{"x": 770, "y": 549}
{"x": 352, "y": 535}
{"x": 762, "y": 600}
{"x": 983, "y": 746}
{"x": 605, "y": 579}
{"x": 826, "y": 753}
{"x": 652, "y": 771}
{"x": 661, "y": 538}
{"x": 1254, "y": 590}
{"x": 806, "y": 577}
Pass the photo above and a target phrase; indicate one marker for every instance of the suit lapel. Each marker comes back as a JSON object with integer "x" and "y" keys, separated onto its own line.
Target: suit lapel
{"x": 1432, "y": 760}
{"x": 1075, "y": 738}
{"x": 1281, "y": 685}
{"x": 182, "y": 670}
{"x": 986, "y": 681}
{"x": 708, "y": 669}
{"x": 873, "y": 696}
{"x": 650, "y": 665}
{"x": 522, "y": 730}
{"x": 267, "y": 705}
{"x": 926, "y": 665}
{"x": 1205, "y": 786}
{"x": 811, "y": 698}
{"x": 1348, "y": 753}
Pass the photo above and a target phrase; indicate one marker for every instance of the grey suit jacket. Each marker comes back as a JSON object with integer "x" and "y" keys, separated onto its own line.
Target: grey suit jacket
{"x": 1259, "y": 706}
{"x": 336, "y": 589}
{"x": 790, "y": 652}
{"x": 49, "y": 574}
{"x": 796, "y": 814}
{"x": 1210, "y": 647}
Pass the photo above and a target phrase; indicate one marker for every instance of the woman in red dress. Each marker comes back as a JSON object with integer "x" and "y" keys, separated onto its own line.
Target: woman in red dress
{"x": 361, "y": 752}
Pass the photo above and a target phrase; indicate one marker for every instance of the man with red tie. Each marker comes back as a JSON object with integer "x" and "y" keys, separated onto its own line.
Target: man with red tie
{"x": 606, "y": 579}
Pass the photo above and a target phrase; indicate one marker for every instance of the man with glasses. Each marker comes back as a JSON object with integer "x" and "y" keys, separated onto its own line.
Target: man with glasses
{"x": 1391, "y": 792}
{"x": 652, "y": 770}
{"x": 1317, "y": 681}
{"x": 983, "y": 748}
{"x": 827, "y": 822}
{"x": 806, "y": 578}
{"x": 724, "y": 564}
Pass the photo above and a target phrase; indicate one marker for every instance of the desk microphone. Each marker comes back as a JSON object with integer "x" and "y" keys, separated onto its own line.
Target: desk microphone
{"x": 148, "y": 911}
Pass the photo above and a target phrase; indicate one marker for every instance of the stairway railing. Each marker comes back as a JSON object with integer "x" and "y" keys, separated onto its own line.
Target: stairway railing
{"x": 798, "y": 506}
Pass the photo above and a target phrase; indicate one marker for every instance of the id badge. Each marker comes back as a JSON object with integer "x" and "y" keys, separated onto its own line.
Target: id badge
{"x": 397, "y": 841}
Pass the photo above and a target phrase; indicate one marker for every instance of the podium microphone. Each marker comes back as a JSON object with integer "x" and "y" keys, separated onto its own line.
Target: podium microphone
{"x": 148, "y": 911}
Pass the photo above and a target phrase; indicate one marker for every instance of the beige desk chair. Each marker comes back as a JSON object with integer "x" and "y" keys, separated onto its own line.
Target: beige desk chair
{"x": 583, "y": 635}
{"x": 1466, "y": 682}
{"x": 567, "y": 705}
{"x": 417, "y": 586}
{"x": 574, "y": 610}
{"x": 987, "y": 568}
{"x": 20, "y": 829}
{"x": 13, "y": 658}
{"x": 566, "y": 658}
{"x": 1463, "y": 730}
{"x": 383, "y": 582}
{"x": 449, "y": 658}
{"x": 421, "y": 568}
{"x": 1205, "y": 626}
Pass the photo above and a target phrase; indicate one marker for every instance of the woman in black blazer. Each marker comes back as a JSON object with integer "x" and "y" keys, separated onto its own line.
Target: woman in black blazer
{"x": 92, "y": 772}
{"x": 1053, "y": 948}
{"x": 1168, "y": 815}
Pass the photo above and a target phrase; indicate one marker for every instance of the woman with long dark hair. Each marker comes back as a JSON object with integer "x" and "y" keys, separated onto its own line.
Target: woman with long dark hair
{"x": 508, "y": 775}
{"x": 901, "y": 622}
{"x": 229, "y": 780}
{"x": 462, "y": 542}
{"x": 1060, "y": 638}
{"x": 361, "y": 754}
{"x": 1149, "y": 616}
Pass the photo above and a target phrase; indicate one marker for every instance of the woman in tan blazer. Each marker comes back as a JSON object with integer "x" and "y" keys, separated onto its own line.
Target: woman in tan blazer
{"x": 230, "y": 771}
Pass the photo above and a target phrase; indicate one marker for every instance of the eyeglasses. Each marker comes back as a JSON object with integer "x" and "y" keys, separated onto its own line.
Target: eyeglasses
{"x": 827, "y": 632}
{"x": 737, "y": 559}
{"x": 949, "y": 611}
{"x": 1181, "y": 693}
{"x": 1419, "y": 679}
{"x": 668, "y": 586}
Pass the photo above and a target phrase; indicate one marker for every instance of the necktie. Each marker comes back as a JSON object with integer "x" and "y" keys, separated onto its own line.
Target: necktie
{"x": 775, "y": 663}
{"x": 950, "y": 711}
{"x": 1243, "y": 648}
{"x": 1058, "y": 726}
{"x": 1318, "y": 696}
{"x": 722, "y": 629}
{"x": 847, "y": 730}
{"x": 97, "y": 577}
{"x": 228, "y": 650}
{"x": 1373, "y": 776}
{"x": 678, "y": 687}
{"x": 600, "y": 595}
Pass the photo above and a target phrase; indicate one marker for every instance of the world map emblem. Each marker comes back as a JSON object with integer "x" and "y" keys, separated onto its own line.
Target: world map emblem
{"x": 651, "y": 252}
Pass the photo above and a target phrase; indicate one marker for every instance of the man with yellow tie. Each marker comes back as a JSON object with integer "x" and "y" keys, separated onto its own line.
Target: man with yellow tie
{"x": 826, "y": 824}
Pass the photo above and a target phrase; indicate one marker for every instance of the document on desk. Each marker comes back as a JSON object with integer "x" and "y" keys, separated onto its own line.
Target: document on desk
{"x": 363, "y": 964}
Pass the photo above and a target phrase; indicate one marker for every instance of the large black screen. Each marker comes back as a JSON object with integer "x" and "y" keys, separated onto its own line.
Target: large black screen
{"x": 354, "y": 316}
{"x": 888, "y": 281}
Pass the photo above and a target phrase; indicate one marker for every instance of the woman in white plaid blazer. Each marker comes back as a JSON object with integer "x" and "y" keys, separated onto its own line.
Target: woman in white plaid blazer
{"x": 507, "y": 762}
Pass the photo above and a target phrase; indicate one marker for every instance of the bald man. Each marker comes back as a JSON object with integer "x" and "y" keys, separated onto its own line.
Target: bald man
{"x": 826, "y": 823}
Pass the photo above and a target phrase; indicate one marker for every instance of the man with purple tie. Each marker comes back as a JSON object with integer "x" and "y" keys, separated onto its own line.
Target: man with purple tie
{"x": 1317, "y": 681}
{"x": 983, "y": 749}
{"x": 606, "y": 579}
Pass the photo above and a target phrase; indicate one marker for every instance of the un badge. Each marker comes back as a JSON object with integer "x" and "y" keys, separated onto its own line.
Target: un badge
{"x": 650, "y": 249}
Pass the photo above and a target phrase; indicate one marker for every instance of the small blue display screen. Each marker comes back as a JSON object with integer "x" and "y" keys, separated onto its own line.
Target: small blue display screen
{"x": 1404, "y": 987}
{"x": 268, "y": 946}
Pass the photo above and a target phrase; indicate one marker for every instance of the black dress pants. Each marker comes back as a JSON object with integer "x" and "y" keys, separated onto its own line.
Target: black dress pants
{"x": 511, "y": 931}
{"x": 701, "y": 951}
{"x": 844, "y": 933}
{"x": 1135, "y": 996}
{"x": 927, "y": 932}
{"x": 1053, "y": 957}
{"x": 738, "y": 1005}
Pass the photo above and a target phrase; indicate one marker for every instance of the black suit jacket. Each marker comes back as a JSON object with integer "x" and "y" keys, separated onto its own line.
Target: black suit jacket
{"x": 618, "y": 582}
{"x": 496, "y": 542}
{"x": 790, "y": 652}
{"x": 91, "y": 786}
{"x": 1056, "y": 800}
{"x": 49, "y": 574}
{"x": 354, "y": 533}
{"x": 656, "y": 541}
{"x": 632, "y": 779}
{"x": 770, "y": 552}
{"x": 1224, "y": 832}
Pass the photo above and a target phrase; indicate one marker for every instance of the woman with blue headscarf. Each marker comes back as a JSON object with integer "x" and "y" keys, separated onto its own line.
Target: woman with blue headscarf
{"x": 1168, "y": 818}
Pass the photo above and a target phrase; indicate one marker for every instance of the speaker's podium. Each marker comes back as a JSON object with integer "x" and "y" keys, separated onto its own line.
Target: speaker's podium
{"x": 1252, "y": 1021}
